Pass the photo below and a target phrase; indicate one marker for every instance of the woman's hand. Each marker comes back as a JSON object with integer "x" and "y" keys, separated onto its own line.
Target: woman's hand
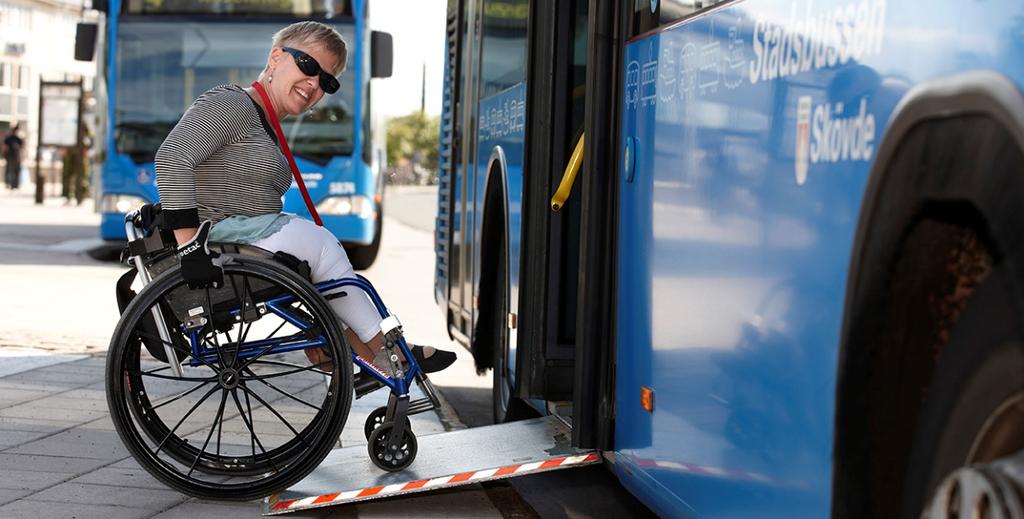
{"x": 197, "y": 260}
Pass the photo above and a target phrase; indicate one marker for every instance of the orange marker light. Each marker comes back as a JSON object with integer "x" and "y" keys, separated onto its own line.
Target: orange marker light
{"x": 647, "y": 399}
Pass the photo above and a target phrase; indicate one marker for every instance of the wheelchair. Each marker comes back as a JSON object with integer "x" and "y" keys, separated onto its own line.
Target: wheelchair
{"x": 211, "y": 390}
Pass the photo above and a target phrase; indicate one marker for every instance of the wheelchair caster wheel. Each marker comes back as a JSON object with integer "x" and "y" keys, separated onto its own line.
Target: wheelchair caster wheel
{"x": 376, "y": 418}
{"x": 388, "y": 459}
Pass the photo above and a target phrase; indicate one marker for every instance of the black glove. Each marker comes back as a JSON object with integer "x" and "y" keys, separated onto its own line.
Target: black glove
{"x": 197, "y": 261}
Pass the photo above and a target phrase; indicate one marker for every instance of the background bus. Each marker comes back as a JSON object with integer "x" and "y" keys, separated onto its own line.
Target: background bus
{"x": 785, "y": 283}
{"x": 158, "y": 56}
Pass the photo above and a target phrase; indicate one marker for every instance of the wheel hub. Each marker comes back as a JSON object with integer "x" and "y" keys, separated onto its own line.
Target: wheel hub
{"x": 228, "y": 379}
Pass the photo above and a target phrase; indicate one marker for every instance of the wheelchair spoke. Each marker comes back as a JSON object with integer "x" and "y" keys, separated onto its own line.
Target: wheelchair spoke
{"x": 216, "y": 419}
{"x": 312, "y": 368}
{"x": 183, "y": 418}
{"x": 272, "y": 410}
{"x": 182, "y": 379}
{"x": 140, "y": 335}
{"x": 253, "y": 439}
{"x": 279, "y": 390}
{"x": 180, "y": 396}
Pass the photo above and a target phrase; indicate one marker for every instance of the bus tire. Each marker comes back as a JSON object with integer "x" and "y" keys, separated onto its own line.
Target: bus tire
{"x": 363, "y": 256}
{"x": 506, "y": 408}
{"x": 974, "y": 408}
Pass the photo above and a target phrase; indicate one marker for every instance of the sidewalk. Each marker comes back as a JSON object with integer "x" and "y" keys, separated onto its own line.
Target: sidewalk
{"x": 62, "y": 458}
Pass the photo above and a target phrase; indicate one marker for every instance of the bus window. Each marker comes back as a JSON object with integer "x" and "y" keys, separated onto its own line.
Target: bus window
{"x": 651, "y": 14}
{"x": 504, "y": 44}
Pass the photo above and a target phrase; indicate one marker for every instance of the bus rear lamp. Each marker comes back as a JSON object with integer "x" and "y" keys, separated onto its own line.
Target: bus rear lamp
{"x": 358, "y": 205}
{"x": 120, "y": 203}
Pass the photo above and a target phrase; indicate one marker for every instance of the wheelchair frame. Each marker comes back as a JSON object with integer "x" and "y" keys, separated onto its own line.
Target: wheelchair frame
{"x": 399, "y": 406}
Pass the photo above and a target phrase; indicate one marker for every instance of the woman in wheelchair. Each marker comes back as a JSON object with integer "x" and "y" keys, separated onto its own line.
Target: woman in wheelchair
{"x": 222, "y": 164}
{"x": 205, "y": 380}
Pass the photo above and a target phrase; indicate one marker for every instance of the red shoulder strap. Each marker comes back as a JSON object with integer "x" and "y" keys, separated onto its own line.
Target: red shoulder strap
{"x": 287, "y": 151}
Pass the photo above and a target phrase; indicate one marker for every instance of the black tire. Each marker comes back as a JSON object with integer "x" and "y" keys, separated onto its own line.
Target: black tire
{"x": 377, "y": 418}
{"x": 504, "y": 406}
{"x": 974, "y": 408}
{"x": 293, "y": 412}
{"x": 396, "y": 461}
{"x": 363, "y": 256}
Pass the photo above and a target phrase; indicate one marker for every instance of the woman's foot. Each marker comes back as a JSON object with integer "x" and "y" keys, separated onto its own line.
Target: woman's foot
{"x": 320, "y": 359}
{"x": 432, "y": 360}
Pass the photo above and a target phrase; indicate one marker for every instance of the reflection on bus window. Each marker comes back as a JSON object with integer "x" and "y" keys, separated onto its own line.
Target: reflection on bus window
{"x": 648, "y": 15}
{"x": 165, "y": 66}
{"x": 504, "y": 43}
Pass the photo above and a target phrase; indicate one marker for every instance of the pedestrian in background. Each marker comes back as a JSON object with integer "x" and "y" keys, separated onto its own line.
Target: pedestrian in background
{"x": 12, "y": 151}
{"x": 75, "y": 170}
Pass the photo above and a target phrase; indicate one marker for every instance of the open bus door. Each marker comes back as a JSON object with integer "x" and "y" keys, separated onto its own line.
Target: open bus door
{"x": 567, "y": 286}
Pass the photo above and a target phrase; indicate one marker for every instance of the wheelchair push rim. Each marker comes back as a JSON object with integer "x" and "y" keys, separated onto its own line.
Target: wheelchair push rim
{"x": 250, "y": 413}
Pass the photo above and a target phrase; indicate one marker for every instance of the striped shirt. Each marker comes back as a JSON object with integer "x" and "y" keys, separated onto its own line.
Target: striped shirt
{"x": 220, "y": 160}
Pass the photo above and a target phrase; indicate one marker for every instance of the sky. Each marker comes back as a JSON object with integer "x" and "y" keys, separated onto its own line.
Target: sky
{"x": 418, "y": 29}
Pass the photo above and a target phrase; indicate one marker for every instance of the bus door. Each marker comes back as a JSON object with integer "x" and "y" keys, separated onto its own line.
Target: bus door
{"x": 569, "y": 253}
{"x": 556, "y": 100}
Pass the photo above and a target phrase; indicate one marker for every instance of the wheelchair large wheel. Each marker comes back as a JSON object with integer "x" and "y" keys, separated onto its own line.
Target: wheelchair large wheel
{"x": 250, "y": 413}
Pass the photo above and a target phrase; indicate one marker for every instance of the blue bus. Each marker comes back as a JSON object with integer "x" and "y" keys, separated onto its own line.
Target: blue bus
{"x": 159, "y": 55}
{"x": 786, "y": 282}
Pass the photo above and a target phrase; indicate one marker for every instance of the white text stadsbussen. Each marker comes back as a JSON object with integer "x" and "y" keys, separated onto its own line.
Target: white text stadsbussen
{"x": 813, "y": 42}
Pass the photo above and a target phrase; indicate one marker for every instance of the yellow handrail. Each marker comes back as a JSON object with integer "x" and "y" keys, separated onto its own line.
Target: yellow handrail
{"x": 569, "y": 178}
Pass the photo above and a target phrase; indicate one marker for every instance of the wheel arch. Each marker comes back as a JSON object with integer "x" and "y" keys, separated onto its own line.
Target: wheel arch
{"x": 494, "y": 226}
{"x": 908, "y": 213}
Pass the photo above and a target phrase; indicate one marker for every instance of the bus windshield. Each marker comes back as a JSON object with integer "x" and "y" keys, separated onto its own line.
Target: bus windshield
{"x": 164, "y": 66}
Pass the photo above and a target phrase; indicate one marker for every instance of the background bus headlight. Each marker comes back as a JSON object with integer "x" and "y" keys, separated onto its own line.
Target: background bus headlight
{"x": 120, "y": 203}
{"x": 357, "y": 205}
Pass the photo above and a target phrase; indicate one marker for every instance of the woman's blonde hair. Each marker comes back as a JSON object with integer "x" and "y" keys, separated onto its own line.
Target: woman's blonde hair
{"x": 314, "y": 34}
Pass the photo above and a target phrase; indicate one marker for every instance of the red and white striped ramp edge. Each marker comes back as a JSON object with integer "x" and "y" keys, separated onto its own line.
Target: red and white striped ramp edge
{"x": 454, "y": 480}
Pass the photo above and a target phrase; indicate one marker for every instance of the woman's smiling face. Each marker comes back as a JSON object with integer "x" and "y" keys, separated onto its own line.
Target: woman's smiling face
{"x": 291, "y": 91}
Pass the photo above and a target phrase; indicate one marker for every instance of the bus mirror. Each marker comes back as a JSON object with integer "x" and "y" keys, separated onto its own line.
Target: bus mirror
{"x": 85, "y": 41}
{"x": 381, "y": 54}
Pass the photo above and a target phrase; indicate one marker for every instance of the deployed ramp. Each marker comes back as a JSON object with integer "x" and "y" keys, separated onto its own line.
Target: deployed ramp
{"x": 445, "y": 460}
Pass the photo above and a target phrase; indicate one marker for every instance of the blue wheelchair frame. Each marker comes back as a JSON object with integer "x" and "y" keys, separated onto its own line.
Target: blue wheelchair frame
{"x": 399, "y": 386}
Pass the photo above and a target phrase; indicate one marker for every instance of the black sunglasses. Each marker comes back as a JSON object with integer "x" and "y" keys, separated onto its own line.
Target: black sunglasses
{"x": 310, "y": 67}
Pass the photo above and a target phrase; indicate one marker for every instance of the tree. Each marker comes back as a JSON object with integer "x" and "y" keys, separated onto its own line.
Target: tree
{"x": 414, "y": 137}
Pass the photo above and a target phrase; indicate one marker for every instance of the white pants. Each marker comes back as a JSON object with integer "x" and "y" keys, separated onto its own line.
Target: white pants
{"x": 327, "y": 260}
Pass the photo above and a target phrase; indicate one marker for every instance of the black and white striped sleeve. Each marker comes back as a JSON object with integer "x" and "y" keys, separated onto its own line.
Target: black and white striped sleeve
{"x": 206, "y": 126}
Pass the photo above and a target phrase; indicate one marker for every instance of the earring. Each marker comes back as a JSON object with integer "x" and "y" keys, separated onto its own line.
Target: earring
{"x": 270, "y": 79}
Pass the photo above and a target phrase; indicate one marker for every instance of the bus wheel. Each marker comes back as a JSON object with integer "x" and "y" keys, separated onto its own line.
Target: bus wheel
{"x": 974, "y": 408}
{"x": 506, "y": 407}
{"x": 363, "y": 256}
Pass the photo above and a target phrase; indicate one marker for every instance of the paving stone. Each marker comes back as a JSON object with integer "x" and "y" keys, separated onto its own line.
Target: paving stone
{"x": 76, "y": 443}
{"x": 152, "y": 499}
{"x": 33, "y": 424}
{"x": 10, "y": 439}
{"x": 34, "y": 481}
{"x": 29, "y": 509}
{"x": 121, "y": 477}
{"x": 87, "y": 394}
{"x": 12, "y": 396}
{"x": 68, "y": 415}
{"x": 8, "y": 494}
{"x": 63, "y": 401}
{"x": 33, "y": 463}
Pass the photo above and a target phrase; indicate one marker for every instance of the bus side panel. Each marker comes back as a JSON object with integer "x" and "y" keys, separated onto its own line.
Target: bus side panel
{"x": 748, "y": 136}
